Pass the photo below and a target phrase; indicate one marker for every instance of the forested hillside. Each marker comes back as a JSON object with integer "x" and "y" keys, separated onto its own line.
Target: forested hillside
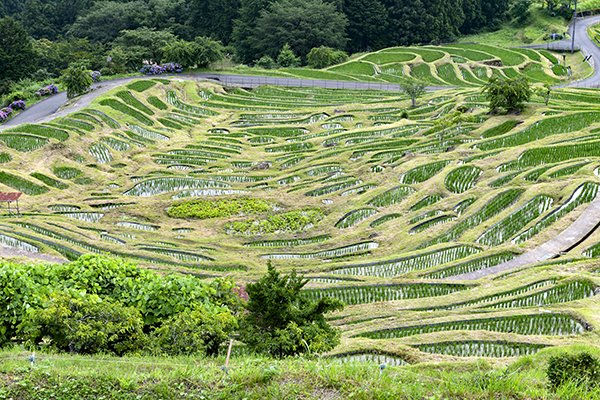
{"x": 258, "y": 27}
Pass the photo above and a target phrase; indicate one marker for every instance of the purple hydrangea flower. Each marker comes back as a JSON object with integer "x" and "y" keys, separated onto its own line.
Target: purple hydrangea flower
{"x": 96, "y": 75}
{"x": 18, "y": 105}
{"x": 155, "y": 69}
{"x": 47, "y": 91}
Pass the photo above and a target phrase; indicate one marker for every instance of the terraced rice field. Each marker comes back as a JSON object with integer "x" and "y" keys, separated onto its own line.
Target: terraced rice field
{"x": 457, "y": 65}
{"x": 380, "y": 211}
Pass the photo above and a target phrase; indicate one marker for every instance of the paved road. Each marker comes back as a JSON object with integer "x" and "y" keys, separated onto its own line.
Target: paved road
{"x": 587, "y": 47}
{"x": 57, "y": 105}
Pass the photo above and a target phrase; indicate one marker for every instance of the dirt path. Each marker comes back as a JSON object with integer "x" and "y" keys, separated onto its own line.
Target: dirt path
{"x": 9, "y": 252}
{"x": 578, "y": 231}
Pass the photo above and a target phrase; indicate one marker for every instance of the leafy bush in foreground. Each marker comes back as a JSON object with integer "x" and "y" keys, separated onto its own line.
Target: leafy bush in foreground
{"x": 79, "y": 323}
{"x": 105, "y": 304}
{"x": 201, "y": 329}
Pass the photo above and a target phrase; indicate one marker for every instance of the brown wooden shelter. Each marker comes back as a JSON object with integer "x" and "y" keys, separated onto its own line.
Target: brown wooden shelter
{"x": 9, "y": 198}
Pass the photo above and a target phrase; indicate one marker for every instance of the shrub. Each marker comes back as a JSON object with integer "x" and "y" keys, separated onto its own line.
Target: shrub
{"x": 582, "y": 369}
{"x": 287, "y": 58}
{"x": 281, "y": 322}
{"x": 14, "y": 96}
{"x": 83, "y": 323}
{"x": 5, "y": 113}
{"x": 102, "y": 304}
{"x": 18, "y": 105}
{"x": 291, "y": 221}
{"x": 203, "y": 209}
{"x": 77, "y": 79}
{"x": 266, "y": 62}
{"x": 199, "y": 330}
{"x": 321, "y": 57}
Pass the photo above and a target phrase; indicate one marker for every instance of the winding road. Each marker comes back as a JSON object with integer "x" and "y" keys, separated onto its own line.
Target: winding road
{"x": 58, "y": 105}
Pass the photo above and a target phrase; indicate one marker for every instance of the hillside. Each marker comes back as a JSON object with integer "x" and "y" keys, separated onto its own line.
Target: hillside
{"x": 383, "y": 212}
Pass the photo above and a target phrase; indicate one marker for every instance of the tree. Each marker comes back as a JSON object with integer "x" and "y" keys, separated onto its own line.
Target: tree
{"x": 510, "y": 94}
{"x": 201, "y": 52}
{"x": 414, "y": 89}
{"x": 214, "y": 18}
{"x": 77, "y": 79}
{"x": 143, "y": 44}
{"x": 280, "y": 321}
{"x": 181, "y": 52}
{"x": 36, "y": 16}
{"x": 367, "y": 23}
{"x": 265, "y": 62}
{"x": 303, "y": 24}
{"x": 108, "y": 18}
{"x": 423, "y": 21}
{"x": 321, "y": 57}
{"x": 520, "y": 10}
{"x": 207, "y": 51}
{"x": 243, "y": 29}
{"x": 544, "y": 92}
{"x": 286, "y": 57}
{"x": 17, "y": 57}
{"x": 55, "y": 56}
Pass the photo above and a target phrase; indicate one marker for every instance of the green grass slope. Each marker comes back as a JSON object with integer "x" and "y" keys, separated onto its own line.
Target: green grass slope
{"x": 456, "y": 64}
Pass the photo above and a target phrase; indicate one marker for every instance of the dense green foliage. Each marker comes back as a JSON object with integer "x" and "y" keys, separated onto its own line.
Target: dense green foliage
{"x": 202, "y": 209}
{"x": 199, "y": 329}
{"x": 77, "y": 80}
{"x": 303, "y": 24}
{"x": 16, "y": 52}
{"x": 281, "y": 322}
{"x": 292, "y": 221}
{"x": 509, "y": 94}
{"x": 414, "y": 89}
{"x": 102, "y": 304}
{"x": 202, "y": 52}
{"x": 321, "y": 57}
{"x": 86, "y": 324}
